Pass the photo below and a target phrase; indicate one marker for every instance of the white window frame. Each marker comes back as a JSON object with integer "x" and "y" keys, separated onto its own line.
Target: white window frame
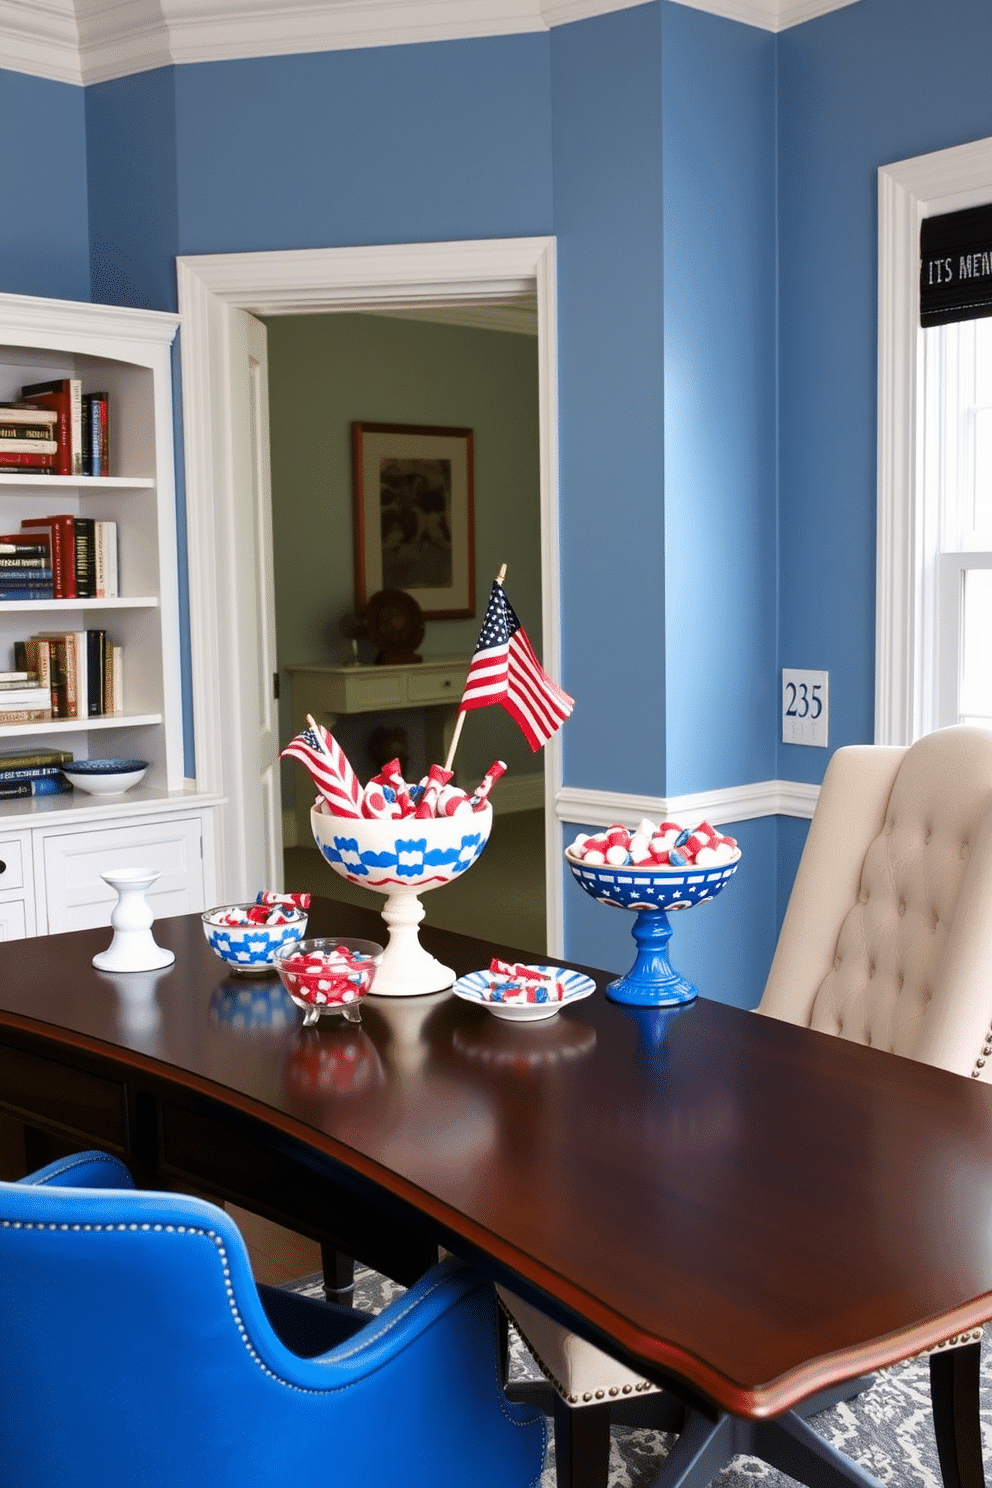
{"x": 907, "y": 703}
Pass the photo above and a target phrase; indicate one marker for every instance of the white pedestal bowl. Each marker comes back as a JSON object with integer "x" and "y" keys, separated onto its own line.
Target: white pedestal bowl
{"x": 402, "y": 860}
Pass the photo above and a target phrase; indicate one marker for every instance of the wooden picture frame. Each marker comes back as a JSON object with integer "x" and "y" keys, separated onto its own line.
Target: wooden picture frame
{"x": 414, "y": 489}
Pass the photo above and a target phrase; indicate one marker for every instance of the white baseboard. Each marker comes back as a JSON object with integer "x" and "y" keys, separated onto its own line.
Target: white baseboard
{"x": 735, "y": 803}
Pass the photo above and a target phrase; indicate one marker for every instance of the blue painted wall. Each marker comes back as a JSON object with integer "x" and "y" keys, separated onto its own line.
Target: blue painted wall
{"x": 44, "y": 228}
{"x": 608, "y": 217}
{"x": 876, "y": 82}
{"x": 720, "y": 404}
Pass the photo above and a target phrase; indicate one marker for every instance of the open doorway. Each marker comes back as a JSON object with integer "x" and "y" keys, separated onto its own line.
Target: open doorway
{"x": 214, "y": 293}
{"x": 468, "y": 366}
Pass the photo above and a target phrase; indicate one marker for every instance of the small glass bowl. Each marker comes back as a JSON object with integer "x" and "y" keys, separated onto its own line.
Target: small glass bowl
{"x": 321, "y": 987}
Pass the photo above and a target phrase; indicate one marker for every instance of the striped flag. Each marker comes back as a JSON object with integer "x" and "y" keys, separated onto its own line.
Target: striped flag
{"x": 505, "y": 670}
{"x": 330, "y": 770}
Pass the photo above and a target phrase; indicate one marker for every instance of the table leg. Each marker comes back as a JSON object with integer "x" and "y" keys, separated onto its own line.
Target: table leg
{"x": 955, "y": 1378}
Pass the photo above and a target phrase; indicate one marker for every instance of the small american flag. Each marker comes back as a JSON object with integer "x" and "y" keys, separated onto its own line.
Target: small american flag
{"x": 333, "y": 777}
{"x": 505, "y": 670}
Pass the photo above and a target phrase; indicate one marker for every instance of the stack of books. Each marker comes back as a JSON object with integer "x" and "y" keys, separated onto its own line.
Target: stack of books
{"x": 34, "y": 773}
{"x": 28, "y": 443}
{"x": 83, "y": 554}
{"x": 64, "y": 398}
{"x": 25, "y": 568}
{"x": 84, "y": 670}
{"x": 24, "y": 697}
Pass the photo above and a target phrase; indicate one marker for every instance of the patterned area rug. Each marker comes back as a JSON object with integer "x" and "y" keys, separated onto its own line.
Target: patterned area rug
{"x": 888, "y": 1429}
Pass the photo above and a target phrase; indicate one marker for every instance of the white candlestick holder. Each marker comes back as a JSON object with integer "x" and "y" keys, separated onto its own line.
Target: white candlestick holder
{"x": 133, "y": 947}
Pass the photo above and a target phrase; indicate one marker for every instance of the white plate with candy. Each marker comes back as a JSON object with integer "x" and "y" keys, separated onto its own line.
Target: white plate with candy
{"x": 523, "y": 994}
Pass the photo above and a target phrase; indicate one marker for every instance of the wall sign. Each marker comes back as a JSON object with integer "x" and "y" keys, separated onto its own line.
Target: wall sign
{"x": 956, "y": 266}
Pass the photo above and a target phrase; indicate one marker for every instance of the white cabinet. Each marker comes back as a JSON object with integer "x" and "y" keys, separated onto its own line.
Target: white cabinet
{"x": 127, "y": 355}
{"x": 69, "y": 862}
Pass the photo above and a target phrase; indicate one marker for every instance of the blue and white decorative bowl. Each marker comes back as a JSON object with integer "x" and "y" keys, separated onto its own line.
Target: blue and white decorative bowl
{"x": 390, "y": 856}
{"x": 251, "y": 948}
{"x": 105, "y": 777}
{"x": 569, "y": 986}
{"x": 653, "y": 886}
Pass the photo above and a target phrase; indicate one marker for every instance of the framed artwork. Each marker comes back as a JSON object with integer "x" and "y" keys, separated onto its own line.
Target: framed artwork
{"x": 415, "y": 516}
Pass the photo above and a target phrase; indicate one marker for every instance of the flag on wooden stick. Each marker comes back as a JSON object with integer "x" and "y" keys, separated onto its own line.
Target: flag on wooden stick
{"x": 505, "y": 670}
{"x": 329, "y": 767}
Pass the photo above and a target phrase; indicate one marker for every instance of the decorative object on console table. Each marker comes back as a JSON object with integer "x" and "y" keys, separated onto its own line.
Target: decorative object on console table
{"x": 415, "y": 515}
{"x": 353, "y": 628}
{"x": 65, "y": 396}
{"x": 394, "y": 622}
{"x": 61, "y": 531}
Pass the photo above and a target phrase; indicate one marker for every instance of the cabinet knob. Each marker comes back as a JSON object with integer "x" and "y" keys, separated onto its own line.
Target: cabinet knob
{"x": 3, "y": 866}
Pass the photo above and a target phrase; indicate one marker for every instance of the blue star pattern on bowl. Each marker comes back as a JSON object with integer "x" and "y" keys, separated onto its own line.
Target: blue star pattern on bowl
{"x": 411, "y": 860}
{"x": 647, "y": 888}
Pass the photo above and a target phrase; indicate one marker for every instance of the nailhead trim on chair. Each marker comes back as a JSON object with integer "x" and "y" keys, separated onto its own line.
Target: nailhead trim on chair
{"x": 976, "y": 1073}
{"x": 589, "y": 1397}
{"x": 16, "y": 1224}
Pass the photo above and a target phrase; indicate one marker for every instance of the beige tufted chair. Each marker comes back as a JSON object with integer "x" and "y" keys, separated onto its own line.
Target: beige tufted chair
{"x": 887, "y": 941}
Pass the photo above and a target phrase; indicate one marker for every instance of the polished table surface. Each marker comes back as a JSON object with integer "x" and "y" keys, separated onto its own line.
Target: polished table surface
{"x": 751, "y": 1210}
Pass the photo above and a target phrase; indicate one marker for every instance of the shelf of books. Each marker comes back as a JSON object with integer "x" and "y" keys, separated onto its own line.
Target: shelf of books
{"x": 89, "y": 621}
{"x": 89, "y": 612}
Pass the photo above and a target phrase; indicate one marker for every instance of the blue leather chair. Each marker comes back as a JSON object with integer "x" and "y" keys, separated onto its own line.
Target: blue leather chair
{"x": 136, "y": 1349}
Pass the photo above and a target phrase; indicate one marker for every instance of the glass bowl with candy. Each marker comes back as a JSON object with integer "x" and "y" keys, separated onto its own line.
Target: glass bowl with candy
{"x": 246, "y": 936}
{"x": 328, "y": 974}
{"x": 652, "y": 870}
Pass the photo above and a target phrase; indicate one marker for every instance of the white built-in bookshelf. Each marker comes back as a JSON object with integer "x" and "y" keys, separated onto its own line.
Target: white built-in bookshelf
{"x": 127, "y": 354}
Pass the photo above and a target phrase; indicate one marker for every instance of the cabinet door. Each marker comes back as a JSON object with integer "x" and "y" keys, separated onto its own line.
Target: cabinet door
{"x": 76, "y": 897}
{"x": 13, "y": 919}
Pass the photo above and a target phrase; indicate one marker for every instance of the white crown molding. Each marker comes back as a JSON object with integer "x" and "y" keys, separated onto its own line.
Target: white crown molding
{"x": 734, "y": 803}
{"x": 41, "y": 38}
{"x": 94, "y": 41}
{"x": 769, "y": 15}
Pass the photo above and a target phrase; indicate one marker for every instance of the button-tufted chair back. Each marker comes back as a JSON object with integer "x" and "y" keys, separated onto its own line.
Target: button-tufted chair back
{"x": 888, "y": 936}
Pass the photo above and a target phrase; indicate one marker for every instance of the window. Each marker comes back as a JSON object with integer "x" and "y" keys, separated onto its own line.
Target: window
{"x": 933, "y": 652}
{"x": 956, "y": 433}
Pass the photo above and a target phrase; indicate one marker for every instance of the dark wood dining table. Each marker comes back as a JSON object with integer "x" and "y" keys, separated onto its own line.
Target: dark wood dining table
{"x": 741, "y": 1209}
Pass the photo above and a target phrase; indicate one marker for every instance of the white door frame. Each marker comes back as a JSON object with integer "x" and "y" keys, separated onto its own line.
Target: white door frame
{"x": 906, "y": 703}
{"x": 308, "y": 282}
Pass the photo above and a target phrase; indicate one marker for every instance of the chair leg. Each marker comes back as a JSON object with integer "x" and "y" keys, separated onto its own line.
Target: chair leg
{"x": 339, "y": 1276}
{"x": 582, "y": 1445}
{"x": 955, "y": 1378}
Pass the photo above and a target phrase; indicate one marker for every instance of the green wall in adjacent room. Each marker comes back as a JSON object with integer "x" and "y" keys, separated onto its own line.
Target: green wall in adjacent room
{"x": 326, "y": 371}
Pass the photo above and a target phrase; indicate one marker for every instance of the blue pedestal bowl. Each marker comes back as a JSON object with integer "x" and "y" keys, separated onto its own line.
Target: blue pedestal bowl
{"x": 652, "y": 892}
